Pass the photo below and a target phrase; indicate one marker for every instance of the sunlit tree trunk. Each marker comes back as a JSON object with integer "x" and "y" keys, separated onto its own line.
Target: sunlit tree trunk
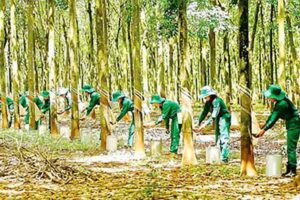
{"x": 15, "y": 68}
{"x": 51, "y": 64}
{"x": 296, "y": 63}
{"x": 101, "y": 29}
{"x": 138, "y": 80}
{"x": 281, "y": 40}
{"x": 30, "y": 59}
{"x": 2, "y": 66}
{"x": 74, "y": 69}
{"x": 247, "y": 155}
{"x": 189, "y": 156}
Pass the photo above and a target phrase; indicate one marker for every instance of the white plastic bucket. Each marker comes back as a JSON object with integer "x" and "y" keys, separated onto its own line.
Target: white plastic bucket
{"x": 213, "y": 155}
{"x": 111, "y": 143}
{"x": 156, "y": 147}
{"x": 274, "y": 165}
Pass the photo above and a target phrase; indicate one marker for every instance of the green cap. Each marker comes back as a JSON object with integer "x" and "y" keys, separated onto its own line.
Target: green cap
{"x": 207, "y": 91}
{"x": 45, "y": 94}
{"x": 88, "y": 88}
{"x": 274, "y": 92}
{"x": 157, "y": 99}
{"x": 117, "y": 95}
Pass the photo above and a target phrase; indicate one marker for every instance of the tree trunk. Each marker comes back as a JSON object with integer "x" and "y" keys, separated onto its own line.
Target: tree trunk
{"x": 189, "y": 156}
{"x": 74, "y": 70}
{"x": 15, "y": 68}
{"x": 101, "y": 30}
{"x": 2, "y": 66}
{"x": 138, "y": 80}
{"x": 247, "y": 155}
{"x": 281, "y": 40}
{"x": 52, "y": 68}
{"x": 271, "y": 45}
{"x": 30, "y": 59}
{"x": 295, "y": 79}
{"x": 254, "y": 25}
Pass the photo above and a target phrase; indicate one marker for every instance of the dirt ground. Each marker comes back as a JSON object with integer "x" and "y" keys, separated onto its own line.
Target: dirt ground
{"x": 34, "y": 166}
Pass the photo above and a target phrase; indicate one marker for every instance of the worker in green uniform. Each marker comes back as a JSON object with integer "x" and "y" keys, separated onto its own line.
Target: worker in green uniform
{"x": 46, "y": 105}
{"x": 286, "y": 110}
{"x": 221, "y": 116}
{"x": 127, "y": 106}
{"x": 94, "y": 99}
{"x": 66, "y": 95}
{"x": 24, "y": 103}
{"x": 10, "y": 106}
{"x": 169, "y": 110}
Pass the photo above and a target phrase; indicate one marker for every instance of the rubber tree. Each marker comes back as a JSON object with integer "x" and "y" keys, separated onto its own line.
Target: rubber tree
{"x": 14, "y": 66}
{"x": 102, "y": 52}
{"x": 247, "y": 155}
{"x": 138, "y": 79}
{"x": 189, "y": 156}
{"x": 74, "y": 69}
{"x": 2, "y": 66}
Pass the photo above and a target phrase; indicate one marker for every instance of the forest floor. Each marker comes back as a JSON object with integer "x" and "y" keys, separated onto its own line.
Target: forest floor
{"x": 34, "y": 166}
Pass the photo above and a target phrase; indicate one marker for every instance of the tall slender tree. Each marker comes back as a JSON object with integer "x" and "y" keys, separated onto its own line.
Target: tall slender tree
{"x": 138, "y": 79}
{"x": 74, "y": 69}
{"x": 281, "y": 40}
{"x": 15, "y": 67}
{"x": 102, "y": 51}
{"x": 52, "y": 69}
{"x": 30, "y": 59}
{"x": 189, "y": 156}
{"x": 2, "y": 66}
{"x": 247, "y": 155}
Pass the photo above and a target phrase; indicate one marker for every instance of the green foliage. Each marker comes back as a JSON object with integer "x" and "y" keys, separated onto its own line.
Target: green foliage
{"x": 61, "y": 4}
{"x": 169, "y": 23}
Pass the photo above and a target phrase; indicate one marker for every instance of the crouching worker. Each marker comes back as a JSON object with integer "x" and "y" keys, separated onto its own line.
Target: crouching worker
{"x": 286, "y": 110}
{"x": 127, "y": 106}
{"x": 170, "y": 110}
{"x": 220, "y": 115}
{"x": 25, "y": 104}
{"x": 94, "y": 100}
{"x": 10, "y": 106}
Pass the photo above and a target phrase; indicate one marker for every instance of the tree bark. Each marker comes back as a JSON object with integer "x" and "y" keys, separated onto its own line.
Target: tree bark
{"x": 138, "y": 80}
{"x": 247, "y": 155}
{"x": 2, "y": 65}
{"x": 74, "y": 70}
{"x": 281, "y": 40}
{"x": 189, "y": 156}
{"x": 52, "y": 69}
{"x": 15, "y": 67}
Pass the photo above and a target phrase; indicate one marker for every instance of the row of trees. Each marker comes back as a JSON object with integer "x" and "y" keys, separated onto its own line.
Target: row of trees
{"x": 146, "y": 46}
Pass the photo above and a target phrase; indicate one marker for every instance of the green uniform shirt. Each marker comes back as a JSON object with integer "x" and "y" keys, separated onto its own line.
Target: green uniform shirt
{"x": 127, "y": 105}
{"x": 217, "y": 107}
{"x": 46, "y": 106}
{"x": 286, "y": 110}
{"x": 169, "y": 110}
{"x": 95, "y": 100}
{"x": 9, "y": 103}
{"x": 24, "y": 104}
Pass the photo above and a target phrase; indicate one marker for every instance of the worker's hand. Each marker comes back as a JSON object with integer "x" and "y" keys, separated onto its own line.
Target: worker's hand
{"x": 260, "y": 133}
{"x": 167, "y": 131}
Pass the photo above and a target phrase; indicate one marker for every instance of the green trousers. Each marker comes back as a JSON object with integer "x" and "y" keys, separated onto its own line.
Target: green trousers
{"x": 222, "y": 133}
{"x": 175, "y": 135}
{"x": 11, "y": 117}
{"x": 293, "y": 133}
{"x": 131, "y": 133}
